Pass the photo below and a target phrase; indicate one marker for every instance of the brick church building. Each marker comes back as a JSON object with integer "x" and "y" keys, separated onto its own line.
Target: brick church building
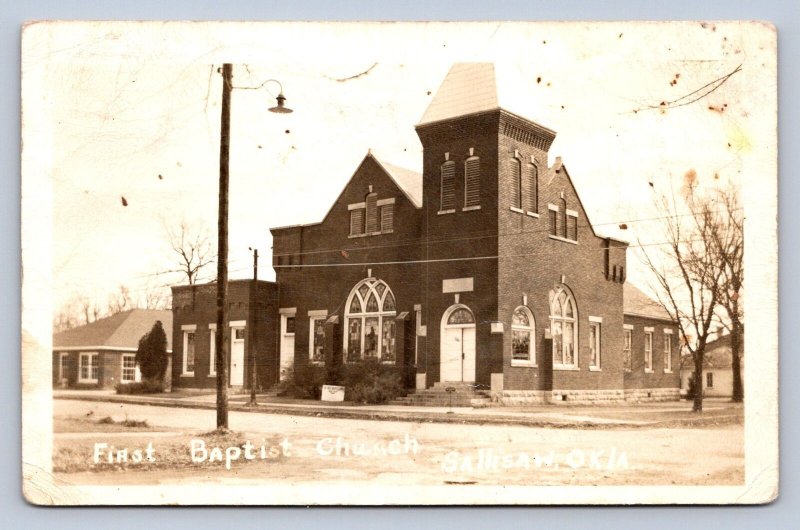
{"x": 483, "y": 270}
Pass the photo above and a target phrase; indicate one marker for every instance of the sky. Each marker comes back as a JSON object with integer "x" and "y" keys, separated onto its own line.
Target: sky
{"x": 113, "y": 110}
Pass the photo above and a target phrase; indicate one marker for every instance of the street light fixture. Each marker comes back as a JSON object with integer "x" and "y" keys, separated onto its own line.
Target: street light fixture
{"x": 222, "y": 236}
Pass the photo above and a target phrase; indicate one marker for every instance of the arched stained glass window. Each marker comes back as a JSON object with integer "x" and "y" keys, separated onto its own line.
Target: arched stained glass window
{"x": 522, "y": 337}
{"x": 372, "y": 304}
{"x": 462, "y": 315}
{"x": 370, "y": 322}
{"x": 564, "y": 328}
{"x": 388, "y": 302}
{"x": 520, "y": 318}
{"x": 355, "y": 305}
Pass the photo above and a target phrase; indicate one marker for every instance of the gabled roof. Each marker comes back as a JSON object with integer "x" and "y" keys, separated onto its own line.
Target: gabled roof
{"x": 718, "y": 354}
{"x": 409, "y": 182}
{"x": 121, "y": 331}
{"x": 636, "y": 303}
{"x": 468, "y": 88}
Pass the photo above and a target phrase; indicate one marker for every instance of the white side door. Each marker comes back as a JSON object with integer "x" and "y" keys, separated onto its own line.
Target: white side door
{"x": 450, "y": 355}
{"x": 237, "y": 356}
{"x": 287, "y": 345}
{"x": 468, "y": 358}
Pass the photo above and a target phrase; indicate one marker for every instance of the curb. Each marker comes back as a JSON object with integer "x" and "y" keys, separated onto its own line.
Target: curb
{"x": 414, "y": 416}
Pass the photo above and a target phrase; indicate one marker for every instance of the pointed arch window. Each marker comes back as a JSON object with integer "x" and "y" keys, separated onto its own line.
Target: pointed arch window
{"x": 523, "y": 351}
{"x": 564, "y": 329}
{"x": 448, "y": 187}
{"x": 370, "y": 322}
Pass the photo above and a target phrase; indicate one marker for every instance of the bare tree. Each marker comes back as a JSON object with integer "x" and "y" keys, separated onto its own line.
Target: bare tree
{"x": 155, "y": 298}
{"x": 120, "y": 301}
{"x": 729, "y": 250}
{"x": 90, "y": 310}
{"x": 67, "y": 317}
{"x": 194, "y": 249}
{"x": 688, "y": 273}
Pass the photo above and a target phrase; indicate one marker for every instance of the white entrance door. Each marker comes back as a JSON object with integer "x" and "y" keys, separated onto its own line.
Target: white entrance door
{"x": 457, "y": 352}
{"x": 237, "y": 356}
{"x": 287, "y": 345}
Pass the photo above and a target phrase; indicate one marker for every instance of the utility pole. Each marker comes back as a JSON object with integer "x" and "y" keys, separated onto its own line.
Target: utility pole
{"x": 253, "y": 320}
{"x": 222, "y": 340}
{"x": 222, "y": 250}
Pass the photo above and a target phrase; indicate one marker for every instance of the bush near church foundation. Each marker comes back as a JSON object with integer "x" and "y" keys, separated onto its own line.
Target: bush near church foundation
{"x": 303, "y": 382}
{"x": 367, "y": 382}
{"x": 143, "y": 387}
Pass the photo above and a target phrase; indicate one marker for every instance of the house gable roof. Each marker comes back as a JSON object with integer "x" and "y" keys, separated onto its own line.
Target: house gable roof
{"x": 636, "y": 303}
{"x": 122, "y": 331}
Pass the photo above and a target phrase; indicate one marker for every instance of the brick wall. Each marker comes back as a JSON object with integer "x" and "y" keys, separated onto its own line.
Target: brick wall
{"x": 637, "y": 378}
{"x": 197, "y": 305}
{"x": 532, "y": 264}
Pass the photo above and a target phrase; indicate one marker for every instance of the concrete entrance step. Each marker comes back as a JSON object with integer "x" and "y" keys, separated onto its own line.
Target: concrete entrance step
{"x": 464, "y": 394}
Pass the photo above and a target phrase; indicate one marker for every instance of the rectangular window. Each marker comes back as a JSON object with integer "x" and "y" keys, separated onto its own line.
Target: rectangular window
{"x": 594, "y": 345}
{"x": 188, "y": 352}
{"x": 558, "y": 347}
{"x": 648, "y": 351}
{"x": 354, "y": 339}
{"x": 371, "y": 337}
{"x": 89, "y": 368}
{"x": 388, "y": 340}
{"x": 128, "y": 368}
{"x": 553, "y": 222}
{"x": 63, "y": 366}
{"x": 626, "y": 350}
{"x": 357, "y": 222}
{"x": 448, "y": 187}
{"x": 709, "y": 380}
{"x": 572, "y": 228}
{"x": 317, "y": 340}
{"x": 472, "y": 182}
{"x": 372, "y": 214}
{"x": 289, "y": 325}
{"x": 387, "y": 217}
{"x": 212, "y": 349}
{"x": 569, "y": 347}
{"x": 667, "y": 352}
{"x": 520, "y": 345}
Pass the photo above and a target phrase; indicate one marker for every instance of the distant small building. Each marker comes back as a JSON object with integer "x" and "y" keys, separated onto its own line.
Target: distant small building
{"x": 103, "y": 353}
{"x": 717, "y": 368}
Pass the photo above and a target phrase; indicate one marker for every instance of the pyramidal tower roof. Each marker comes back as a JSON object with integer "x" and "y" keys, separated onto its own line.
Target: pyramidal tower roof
{"x": 468, "y": 88}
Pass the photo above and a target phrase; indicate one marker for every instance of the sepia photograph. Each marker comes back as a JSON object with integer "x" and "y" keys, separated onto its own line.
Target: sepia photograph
{"x": 394, "y": 263}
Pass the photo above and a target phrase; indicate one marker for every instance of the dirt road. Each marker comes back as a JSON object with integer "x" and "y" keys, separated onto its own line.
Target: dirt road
{"x": 309, "y": 450}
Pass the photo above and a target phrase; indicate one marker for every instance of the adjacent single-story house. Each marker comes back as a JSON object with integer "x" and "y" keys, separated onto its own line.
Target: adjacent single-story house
{"x": 483, "y": 271}
{"x": 103, "y": 353}
{"x": 717, "y": 368}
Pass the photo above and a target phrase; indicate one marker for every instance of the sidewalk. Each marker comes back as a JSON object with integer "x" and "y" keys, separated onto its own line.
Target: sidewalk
{"x": 673, "y": 414}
